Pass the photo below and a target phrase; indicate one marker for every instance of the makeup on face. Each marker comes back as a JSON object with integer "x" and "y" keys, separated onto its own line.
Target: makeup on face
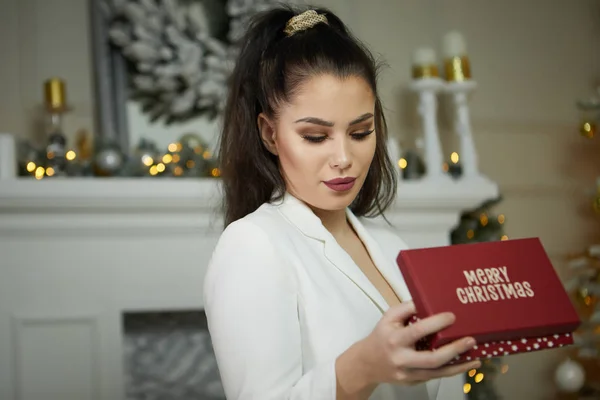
{"x": 326, "y": 140}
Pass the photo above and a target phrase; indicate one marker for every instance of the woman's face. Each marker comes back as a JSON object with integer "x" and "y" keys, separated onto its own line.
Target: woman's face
{"x": 325, "y": 140}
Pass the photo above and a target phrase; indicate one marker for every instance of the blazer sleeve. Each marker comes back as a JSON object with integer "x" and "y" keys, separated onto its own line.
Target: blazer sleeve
{"x": 251, "y": 304}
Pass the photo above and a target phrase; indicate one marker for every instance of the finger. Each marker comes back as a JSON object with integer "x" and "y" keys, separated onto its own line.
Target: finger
{"x": 441, "y": 356}
{"x": 400, "y": 313}
{"x": 420, "y": 375}
{"x": 427, "y": 326}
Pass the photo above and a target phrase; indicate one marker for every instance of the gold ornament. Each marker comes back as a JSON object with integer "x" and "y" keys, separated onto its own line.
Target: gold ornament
{"x": 588, "y": 129}
{"x": 457, "y": 69}
{"x": 304, "y": 21}
{"x": 425, "y": 71}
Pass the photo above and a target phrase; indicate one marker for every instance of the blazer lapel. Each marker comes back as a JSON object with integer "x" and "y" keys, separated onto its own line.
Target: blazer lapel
{"x": 387, "y": 267}
{"x": 300, "y": 215}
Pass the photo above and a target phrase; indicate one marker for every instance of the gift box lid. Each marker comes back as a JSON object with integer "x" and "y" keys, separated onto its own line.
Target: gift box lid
{"x": 498, "y": 290}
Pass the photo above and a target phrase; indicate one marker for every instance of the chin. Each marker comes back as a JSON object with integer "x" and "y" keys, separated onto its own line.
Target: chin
{"x": 333, "y": 201}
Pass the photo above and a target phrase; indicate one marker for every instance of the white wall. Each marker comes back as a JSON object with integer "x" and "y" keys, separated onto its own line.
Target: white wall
{"x": 532, "y": 59}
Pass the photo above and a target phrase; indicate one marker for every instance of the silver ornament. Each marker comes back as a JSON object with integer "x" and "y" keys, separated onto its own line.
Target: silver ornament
{"x": 109, "y": 159}
{"x": 569, "y": 376}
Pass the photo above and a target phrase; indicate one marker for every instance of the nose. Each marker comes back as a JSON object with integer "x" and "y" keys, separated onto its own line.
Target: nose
{"x": 341, "y": 157}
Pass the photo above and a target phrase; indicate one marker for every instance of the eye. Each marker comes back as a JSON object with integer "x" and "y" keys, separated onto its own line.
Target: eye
{"x": 314, "y": 139}
{"x": 361, "y": 135}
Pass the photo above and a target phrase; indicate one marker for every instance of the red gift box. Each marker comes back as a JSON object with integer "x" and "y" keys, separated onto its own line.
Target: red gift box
{"x": 505, "y": 294}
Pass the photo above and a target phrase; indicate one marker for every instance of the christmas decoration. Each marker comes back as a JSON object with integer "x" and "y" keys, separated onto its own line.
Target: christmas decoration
{"x": 187, "y": 157}
{"x": 108, "y": 159}
{"x": 589, "y": 109}
{"x": 578, "y": 374}
{"x": 180, "y": 53}
{"x": 55, "y": 105}
{"x": 569, "y": 376}
{"x": 453, "y": 167}
{"x": 412, "y": 166}
{"x": 479, "y": 225}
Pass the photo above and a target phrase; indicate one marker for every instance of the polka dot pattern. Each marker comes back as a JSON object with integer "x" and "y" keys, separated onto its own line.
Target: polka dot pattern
{"x": 504, "y": 347}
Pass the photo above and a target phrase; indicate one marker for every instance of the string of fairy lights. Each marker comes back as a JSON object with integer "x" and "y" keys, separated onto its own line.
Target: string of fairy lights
{"x": 478, "y": 377}
{"x": 170, "y": 163}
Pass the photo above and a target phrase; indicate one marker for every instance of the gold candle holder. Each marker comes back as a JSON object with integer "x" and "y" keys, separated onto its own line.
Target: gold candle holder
{"x": 55, "y": 95}
{"x": 425, "y": 71}
{"x": 424, "y": 64}
{"x": 457, "y": 67}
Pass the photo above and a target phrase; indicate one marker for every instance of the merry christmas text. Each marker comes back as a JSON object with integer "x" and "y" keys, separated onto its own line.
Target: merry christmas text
{"x": 491, "y": 284}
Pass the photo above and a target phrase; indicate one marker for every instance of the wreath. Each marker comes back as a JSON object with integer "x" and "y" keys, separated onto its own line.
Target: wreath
{"x": 179, "y": 53}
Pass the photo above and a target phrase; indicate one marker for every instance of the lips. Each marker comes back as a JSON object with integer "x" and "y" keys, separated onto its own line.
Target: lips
{"x": 340, "y": 184}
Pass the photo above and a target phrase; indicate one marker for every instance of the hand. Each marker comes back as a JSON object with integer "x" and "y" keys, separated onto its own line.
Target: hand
{"x": 390, "y": 356}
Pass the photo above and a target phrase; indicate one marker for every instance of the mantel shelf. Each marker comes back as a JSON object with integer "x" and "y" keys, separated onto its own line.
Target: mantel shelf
{"x": 105, "y": 195}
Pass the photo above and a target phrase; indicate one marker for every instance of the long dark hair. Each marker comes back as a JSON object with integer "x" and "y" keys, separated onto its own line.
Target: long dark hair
{"x": 270, "y": 67}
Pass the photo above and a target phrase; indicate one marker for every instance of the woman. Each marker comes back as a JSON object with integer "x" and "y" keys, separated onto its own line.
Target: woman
{"x": 302, "y": 295}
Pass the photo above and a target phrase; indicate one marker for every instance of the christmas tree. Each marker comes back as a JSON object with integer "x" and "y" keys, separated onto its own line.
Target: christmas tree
{"x": 579, "y": 373}
{"x": 480, "y": 225}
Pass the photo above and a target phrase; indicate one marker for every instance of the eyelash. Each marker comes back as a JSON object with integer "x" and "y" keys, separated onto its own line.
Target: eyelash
{"x": 355, "y": 136}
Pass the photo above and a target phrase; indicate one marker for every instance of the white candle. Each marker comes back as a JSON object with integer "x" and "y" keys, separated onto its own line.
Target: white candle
{"x": 424, "y": 56}
{"x": 454, "y": 45}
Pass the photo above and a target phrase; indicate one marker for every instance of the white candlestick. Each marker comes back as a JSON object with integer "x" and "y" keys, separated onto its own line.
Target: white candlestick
{"x": 8, "y": 157}
{"x": 462, "y": 125}
{"x": 427, "y": 91}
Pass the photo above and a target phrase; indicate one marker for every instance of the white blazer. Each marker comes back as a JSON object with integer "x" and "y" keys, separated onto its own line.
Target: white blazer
{"x": 283, "y": 300}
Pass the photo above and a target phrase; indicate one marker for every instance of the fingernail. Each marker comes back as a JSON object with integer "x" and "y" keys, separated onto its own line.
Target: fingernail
{"x": 470, "y": 342}
{"x": 451, "y": 316}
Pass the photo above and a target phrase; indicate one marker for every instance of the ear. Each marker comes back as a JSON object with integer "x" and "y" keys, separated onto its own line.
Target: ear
{"x": 267, "y": 133}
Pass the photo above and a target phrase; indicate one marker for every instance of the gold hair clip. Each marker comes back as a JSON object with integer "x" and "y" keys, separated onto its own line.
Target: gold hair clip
{"x": 304, "y": 21}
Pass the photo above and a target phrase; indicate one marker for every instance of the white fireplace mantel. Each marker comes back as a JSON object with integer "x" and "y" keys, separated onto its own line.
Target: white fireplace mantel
{"x": 75, "y": 254}
{"x": 91, "y": 205}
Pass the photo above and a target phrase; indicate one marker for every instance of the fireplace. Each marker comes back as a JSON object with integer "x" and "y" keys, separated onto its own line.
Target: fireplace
{"x": 169, "y": 356}
{"x": 101, "y": 281}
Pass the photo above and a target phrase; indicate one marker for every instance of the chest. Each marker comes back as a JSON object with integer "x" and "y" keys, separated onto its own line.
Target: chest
{"x": 337, "y": 304}
{"x": 363, "y": 260}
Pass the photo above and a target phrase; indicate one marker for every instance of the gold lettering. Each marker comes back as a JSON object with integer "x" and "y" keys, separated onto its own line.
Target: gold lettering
{"x": 528, "y": 290}
{"x": 489, "y": 272}
{"x": 491, "y": 284}
{"x": 505, "y": 273}
{"x": 509, "y": 290}
{"x": 481, "y": 276}
{"x": 485, "y": 293}
{"x": 461, "y": 295}
{"x": 520, "y": 290}
{"x": 471, "y": 277}
{"x": 497, "y": 278}
{"x": 492, "y": 292}
{"x": 479, "y": 294}
{"x": 470, "y": 295}
{"x": 500, "y": 292}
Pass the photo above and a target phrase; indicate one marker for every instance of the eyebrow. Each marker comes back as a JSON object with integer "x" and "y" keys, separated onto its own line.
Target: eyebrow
{"x": 322, "y": 122}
